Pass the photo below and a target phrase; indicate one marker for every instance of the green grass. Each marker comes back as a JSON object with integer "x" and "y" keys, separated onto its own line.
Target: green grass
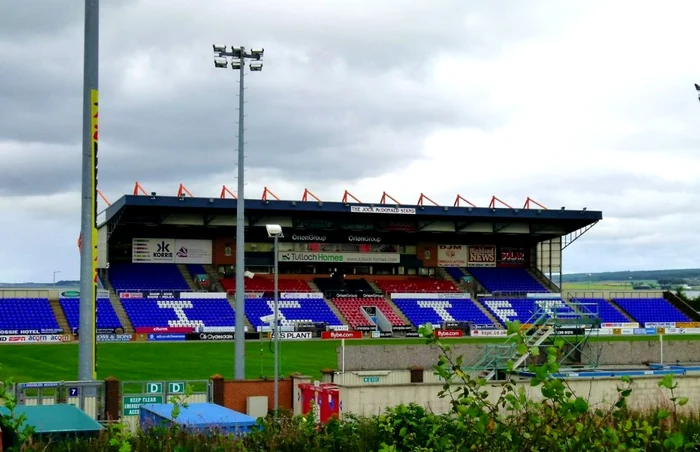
{"x": 149, "y": 361}
{"x": 608, "y": 286}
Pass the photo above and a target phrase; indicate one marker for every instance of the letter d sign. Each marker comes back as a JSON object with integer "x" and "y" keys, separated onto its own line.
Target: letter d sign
{"x": 154, "y": 388}
{"x": 176, "y": 388}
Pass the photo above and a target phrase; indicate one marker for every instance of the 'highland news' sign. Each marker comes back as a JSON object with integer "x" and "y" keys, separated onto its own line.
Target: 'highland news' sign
{"x": 341, "y": 258}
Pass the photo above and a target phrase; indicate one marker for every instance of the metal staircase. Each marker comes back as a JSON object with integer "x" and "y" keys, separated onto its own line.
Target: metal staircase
{"x": 550, "y": 320}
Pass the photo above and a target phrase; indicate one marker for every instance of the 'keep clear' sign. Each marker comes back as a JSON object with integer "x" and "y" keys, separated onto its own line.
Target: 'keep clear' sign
{"x": 132, "y": 404}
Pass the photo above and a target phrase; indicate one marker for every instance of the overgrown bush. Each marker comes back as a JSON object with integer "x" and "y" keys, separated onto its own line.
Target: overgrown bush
{"x": 477, "y": 421}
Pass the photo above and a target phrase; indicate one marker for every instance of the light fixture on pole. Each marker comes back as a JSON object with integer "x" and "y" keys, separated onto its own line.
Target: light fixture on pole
{"x": 54, "y": 276}
{"x": 275, "y": 231}
{"x": 237, "y": 57}
{"x": 697, "y": 88}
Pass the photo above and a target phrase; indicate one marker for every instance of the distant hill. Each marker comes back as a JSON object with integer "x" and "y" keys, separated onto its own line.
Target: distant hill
{"x": 638, "y": 275}
{"x": 39, "y": 285}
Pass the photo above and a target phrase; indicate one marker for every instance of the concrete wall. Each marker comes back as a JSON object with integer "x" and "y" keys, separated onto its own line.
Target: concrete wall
{"x": 395, "y": 357}
{"x": 374, "y": 399}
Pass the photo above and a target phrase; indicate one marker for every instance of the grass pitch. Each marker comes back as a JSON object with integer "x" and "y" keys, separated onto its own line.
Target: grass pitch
{"x": 148, "y": 361}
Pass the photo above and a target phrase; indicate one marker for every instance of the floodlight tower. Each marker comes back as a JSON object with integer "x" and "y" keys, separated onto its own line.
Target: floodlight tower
{"x": 237, "y": 58}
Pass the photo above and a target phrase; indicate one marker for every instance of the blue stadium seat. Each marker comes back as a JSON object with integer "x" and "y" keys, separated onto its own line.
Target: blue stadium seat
{"x": 291, "y": 311}
{"x": 126, "y": 277}
{"x": 27, "y": 314}
{"x": 422, "y": 311}
{"x": 606, "y": 312}
{"x": 507, "y": 280}
{"x": 522, "y": 309}
{"x": 106, "y": 317}
{"x": 146, "y": 313}
{"x": 651, "y": 310}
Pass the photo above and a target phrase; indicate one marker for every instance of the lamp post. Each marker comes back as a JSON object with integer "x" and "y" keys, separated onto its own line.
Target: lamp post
{"x": 54, "y": 276}
{"x": 238, "y": 57}
{"x": 275, "y": 231}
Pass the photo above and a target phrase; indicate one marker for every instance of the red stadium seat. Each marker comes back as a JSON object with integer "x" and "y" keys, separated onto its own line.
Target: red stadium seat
{"x": 351, "y": 310}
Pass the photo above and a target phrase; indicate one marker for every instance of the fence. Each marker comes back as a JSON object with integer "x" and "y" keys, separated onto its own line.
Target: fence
{"x": 89, "y": 396}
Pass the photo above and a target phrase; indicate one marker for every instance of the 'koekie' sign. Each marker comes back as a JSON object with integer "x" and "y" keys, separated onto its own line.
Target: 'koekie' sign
{"x": 164, "y": 329}
{"x": 341, "y": 335}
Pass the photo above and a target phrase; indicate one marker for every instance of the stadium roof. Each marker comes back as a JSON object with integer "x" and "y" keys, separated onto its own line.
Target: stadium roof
{"x": 140, "y": 205}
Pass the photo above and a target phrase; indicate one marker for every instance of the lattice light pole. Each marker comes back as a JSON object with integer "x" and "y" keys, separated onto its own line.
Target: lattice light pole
{"x": 236, "y": 58}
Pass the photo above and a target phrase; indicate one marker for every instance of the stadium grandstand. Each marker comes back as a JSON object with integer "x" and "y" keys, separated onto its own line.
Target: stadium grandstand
{"x": 166, "y": 263}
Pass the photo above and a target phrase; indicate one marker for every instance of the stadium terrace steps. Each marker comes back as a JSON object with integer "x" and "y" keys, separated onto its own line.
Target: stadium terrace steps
{"x": 336, "y": 311}
{"x": 486, "y": 312}
{"x": 682, "y": 306}
{"x": 187, "y": 277}
{"x": 396, "y": 309}
{"x": 542, "y": 279}
{"x": 374, "y": 286}
{"x": 60, "y": 315}
{"x": 119, "y": 308}
{"x": 231, "y": 298}
{"x": 620, "y": 310}
{"x": 121, "y": 312}
{"x": 214, "y": 277}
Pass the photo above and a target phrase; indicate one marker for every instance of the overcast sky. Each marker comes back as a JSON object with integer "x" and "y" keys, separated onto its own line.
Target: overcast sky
{"x": 572, "y": 103}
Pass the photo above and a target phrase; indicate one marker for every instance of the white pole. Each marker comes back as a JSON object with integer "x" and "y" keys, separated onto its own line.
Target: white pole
{"x": 342, "y": 353}
{"x": 275, "y": 332}
{"x": 661, "y": 343}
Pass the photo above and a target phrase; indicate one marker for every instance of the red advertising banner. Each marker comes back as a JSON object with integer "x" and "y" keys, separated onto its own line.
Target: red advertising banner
{"x": 449, "y": 333}
{"x": 165, "y": 329}
{"x": 341, "y": 335}
{"x": 481, "y": 256}
{"x": 511, "y": 257}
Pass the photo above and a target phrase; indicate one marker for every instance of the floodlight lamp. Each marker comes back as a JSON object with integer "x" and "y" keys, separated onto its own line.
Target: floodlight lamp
{"x": 219, "y": 49}
{"x": 257, "y": 53}
{"x": 235, "y": 65}
{"x": 274, "y": 230}
{"x": 256, "y": 67}
{"x": 220, "y": 62}
{"x": 236, "y": 51}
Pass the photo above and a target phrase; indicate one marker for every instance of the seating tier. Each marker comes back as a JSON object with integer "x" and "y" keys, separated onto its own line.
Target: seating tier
{"x": 106, "y": 317}
{"x": 507, "y": 280}
{"x": 147, "y": 313}
{"x": 651, "y": 310}
{"x": 421, "y": 311}
{"x": 606, "y": 312}
{"x": 351, "y": 308}
{"x": 27, "y": 314}
{"x": 292, "y": 311}
{"x": 126, "y": 277}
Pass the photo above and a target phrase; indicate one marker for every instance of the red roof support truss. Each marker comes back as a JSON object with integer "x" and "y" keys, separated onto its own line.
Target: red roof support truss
{"x": 529, "y": 201}
{"x": 494, "y": 200}
{"x": 386, "y": 196}
{"x": 347, "y": 196}
{"x": 424, "y": 198}
{"x": 266, "y": 193}
{"x": 461, "y": 199}
{"x": 224, "y": 191}
{"x": 182, "y": 191}
{"x": 139, "y": 190}
{"x": 307, "y": 194}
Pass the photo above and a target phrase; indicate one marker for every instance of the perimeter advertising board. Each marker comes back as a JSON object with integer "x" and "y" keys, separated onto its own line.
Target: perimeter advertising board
{"x": 481, "y": 256}
{"x": 340, "y": 258}
{"x": 452, "y": 255}
{"x": 171, "y": 251}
